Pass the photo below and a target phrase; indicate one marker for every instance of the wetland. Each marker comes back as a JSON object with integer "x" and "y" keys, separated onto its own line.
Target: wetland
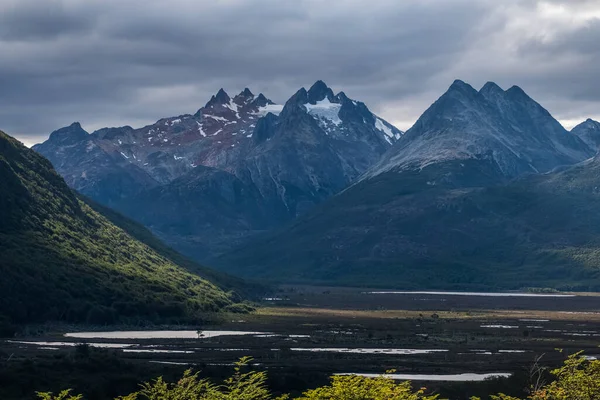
{"x": 455, "y": 344}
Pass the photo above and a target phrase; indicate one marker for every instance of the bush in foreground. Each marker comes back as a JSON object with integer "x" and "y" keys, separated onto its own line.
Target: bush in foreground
{"x": 577, "y": 379}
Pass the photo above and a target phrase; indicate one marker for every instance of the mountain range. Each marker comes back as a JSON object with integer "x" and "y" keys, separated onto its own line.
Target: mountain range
{"x": 487, "y": 190}
{"x": 237, "y": 167}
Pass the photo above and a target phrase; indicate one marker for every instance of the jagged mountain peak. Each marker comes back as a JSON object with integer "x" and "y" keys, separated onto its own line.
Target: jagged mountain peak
{"x": 265, "y": 128}
{"x": 222, "y": 95}
{"x": 262, "y": 97}
{"x": 319, "y": 86}
{"x": 460, "y": 87}
{"x": 244, "y": 97}
{"x": 491, "y": 88}
{"x": 299, "y": 98}
{"x": 587, "y": 124}
{"x": 458, "y": 101}
{"x": 218, "y": 99}
{"x": 319, "y": 91}
{"x": 71, "y": 134}
{"x": 341, "y": 96}
{"x": 261, "y": 100}
{"x": 336, "y": 115}
{"x": 246, "y": 93}
{"x": 589, "y": 132}
{"x": 515, "y": 93}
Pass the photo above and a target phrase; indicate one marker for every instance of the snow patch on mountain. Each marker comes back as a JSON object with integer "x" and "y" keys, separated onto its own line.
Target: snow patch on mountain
{"x": 269, "y": 108}
{"x": 379, "y": 124}
{"x": 200, "y": 129}
{"x": 233, "y": 107}
{"x": 326, "y": 110}
{"x": 215, "y": 117}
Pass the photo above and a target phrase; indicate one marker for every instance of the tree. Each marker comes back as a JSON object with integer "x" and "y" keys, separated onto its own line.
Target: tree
{"x": 355, "y": 387}
{"x": 577, "y": 379}
{"x": 250, "y": 385}
{"x": 64, "y": 395}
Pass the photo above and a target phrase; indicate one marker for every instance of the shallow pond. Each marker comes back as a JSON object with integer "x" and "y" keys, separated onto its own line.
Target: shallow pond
{"x": 369, "y": 350}
{"x": 485, "y": 294}
{"x": 54, "y": 345}
{"x": 158, "y": 334}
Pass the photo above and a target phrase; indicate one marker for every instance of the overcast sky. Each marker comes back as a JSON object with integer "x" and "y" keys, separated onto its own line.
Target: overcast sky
{"x": 116, "y": 62}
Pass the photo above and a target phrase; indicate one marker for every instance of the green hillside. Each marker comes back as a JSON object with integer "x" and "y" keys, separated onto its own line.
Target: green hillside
{"x": 239, "y": 286}
{"x": 61, "y": 260}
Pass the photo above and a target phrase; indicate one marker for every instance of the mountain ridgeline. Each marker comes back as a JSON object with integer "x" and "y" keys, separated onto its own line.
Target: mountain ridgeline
{"x": 471, "y": 197}
{"x": 63, "y": 261}
{"x": 237, "y": 167}
{"x": 507, "y": 132}
{"x": 486, "y": 191}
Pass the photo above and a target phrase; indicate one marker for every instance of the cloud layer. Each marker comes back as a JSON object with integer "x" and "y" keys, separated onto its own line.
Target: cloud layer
{"x": 108, "y": 62}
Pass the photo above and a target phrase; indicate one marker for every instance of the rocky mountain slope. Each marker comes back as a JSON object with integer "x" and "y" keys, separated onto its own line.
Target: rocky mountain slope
{"x": 237, "y": 167}
{"x": 537, "y": 231}
{"x": 91, "y": 168}
{"x": 507, "y": 130}
{"x": 589, "y": 132}
{"x": 62, "y": 261}
{"x": 457, "y": 202}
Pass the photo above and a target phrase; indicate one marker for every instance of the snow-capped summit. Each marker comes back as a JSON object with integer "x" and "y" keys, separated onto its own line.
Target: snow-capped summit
{"x": 276, "y": 160}
{"x": 338, "y": 115}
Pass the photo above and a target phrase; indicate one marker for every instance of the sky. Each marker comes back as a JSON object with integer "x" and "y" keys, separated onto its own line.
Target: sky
{"x": 115, "y": 62}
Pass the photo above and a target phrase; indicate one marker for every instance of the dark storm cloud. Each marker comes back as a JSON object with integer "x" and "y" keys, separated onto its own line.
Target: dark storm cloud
{"x": 580, "y": 48}
{"x": 42, "y": 20}
{"x": 106, "y": 62}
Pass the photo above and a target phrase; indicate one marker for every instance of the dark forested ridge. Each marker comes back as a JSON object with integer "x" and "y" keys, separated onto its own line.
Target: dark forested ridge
{"x": 62, "y": 260}
{"x": 394, "y": 230}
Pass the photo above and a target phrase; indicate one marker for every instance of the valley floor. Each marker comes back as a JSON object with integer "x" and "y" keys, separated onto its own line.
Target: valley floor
{"x": 302, "y": 335}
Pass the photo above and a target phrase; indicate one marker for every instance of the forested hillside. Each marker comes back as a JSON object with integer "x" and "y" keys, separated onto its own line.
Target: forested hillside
{"x": 61, "y": 260}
